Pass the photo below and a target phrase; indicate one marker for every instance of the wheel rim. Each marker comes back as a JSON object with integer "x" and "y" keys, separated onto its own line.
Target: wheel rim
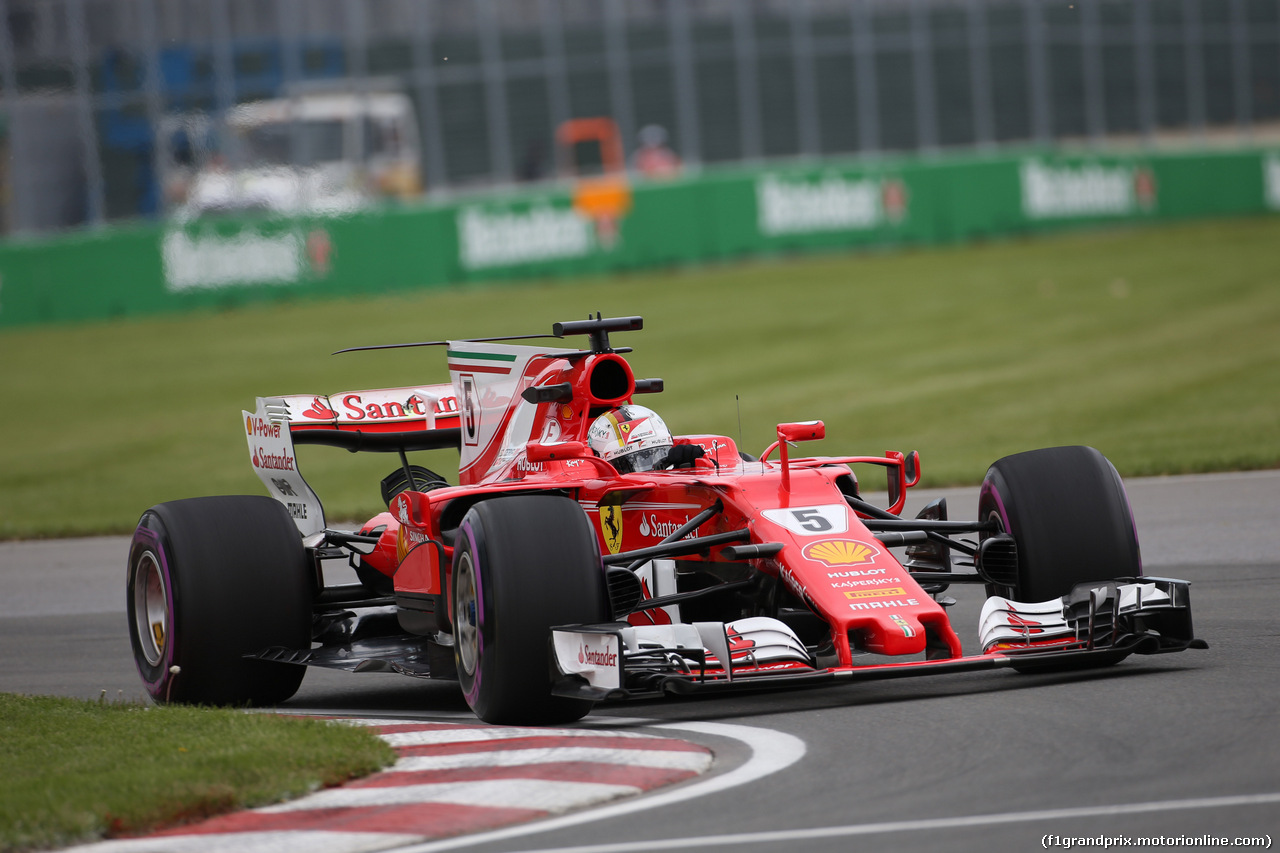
{"x": 995, "y": 516}
{"x": 150, "y": 608}
{"x": 465, "y": 607}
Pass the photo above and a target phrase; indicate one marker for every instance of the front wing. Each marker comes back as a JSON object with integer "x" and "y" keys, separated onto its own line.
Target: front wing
{"x": 1097, "y": 624}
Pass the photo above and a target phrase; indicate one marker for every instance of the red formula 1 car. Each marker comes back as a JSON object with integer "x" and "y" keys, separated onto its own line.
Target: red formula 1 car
{"x": 586, "y": 554}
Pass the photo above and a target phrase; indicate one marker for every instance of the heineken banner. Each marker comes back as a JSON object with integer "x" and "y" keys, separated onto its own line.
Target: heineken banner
{"x": 607, "y": 224}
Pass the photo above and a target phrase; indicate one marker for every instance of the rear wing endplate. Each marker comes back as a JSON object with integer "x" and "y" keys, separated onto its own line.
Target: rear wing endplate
{"x": 388, "y": 419}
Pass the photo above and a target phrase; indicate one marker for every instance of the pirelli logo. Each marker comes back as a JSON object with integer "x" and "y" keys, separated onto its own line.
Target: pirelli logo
{"x": 888, "y": 592}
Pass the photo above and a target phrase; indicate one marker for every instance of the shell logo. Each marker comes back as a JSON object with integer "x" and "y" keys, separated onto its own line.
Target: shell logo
{"x": 841, "y": 552}
{"x": 248, "y": 425}
{"x": 402, "y": 545}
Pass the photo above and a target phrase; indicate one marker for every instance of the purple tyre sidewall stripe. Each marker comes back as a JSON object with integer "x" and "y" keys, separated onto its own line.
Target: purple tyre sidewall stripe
{"x": 465, "y": 530}
{"x": 149, "y": 540}
{"x": 990, "y": 491}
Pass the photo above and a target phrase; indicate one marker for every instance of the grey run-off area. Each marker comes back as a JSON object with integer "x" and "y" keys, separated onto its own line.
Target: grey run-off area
{"x": 1183, "y": 744}
{"x": 76, "y": 586}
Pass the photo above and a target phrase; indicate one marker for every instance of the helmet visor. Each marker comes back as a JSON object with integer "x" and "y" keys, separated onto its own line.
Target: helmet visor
{"x": 641, "y": 460}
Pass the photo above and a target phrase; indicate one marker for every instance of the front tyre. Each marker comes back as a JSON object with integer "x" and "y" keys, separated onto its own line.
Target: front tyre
{"x": 1067, "y": 510}
{"x": 210, "y": 580}
{"x": 522, "y": 564}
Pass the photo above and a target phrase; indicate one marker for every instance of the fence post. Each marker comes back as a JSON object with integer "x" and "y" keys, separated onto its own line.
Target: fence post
{"x": 980, "y": 74}
{"x": 922, "y": 70}
{"x": 1095, "y": 107}
{"x": 1240, "y": 69}
{"x": 1145, "y": 69}
{"x": 224, "y": 84}
{"x": 864, "y": 70}
{"x": 685, "y": 81}
{"x": 90, "y": 157}
{"x": 1193, "y": 37}
{"x": 554, "y": 67}
{"x": 495, "y": 93}
{"x": 748, "y": 84}
{"x": 428, "y": 100}
{"x": 807, "y": 132}
{"x": 8, "y": 98}
{"x": 619, "y": 62}
{"x": 1038, "y": 72}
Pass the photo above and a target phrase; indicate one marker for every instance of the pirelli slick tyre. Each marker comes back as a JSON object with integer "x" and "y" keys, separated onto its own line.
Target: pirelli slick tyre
{"x": 1067, "y": 511}
{"x": 209, "y": 580}
{"x": 521, "y": 565}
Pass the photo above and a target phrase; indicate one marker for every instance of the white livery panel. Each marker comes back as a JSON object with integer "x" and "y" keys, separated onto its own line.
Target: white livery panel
{"x": 381, "y": 407}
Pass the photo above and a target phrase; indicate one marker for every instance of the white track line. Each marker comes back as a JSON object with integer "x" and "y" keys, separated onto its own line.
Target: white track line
{"x": 658, "y": 758}
{"x": 772, "y": 751}
{"x": 543, "y": 794}
{"x": 253, "y": 842}
{"x": 930, "y": 824}
{"x": 436, "y": 737}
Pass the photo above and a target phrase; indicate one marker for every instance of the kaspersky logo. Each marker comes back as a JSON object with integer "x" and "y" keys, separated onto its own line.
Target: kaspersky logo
{"x": 840, "y": 552}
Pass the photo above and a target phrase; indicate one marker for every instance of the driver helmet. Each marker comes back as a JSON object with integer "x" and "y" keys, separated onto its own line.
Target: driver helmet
{"x": 631, "y": 438}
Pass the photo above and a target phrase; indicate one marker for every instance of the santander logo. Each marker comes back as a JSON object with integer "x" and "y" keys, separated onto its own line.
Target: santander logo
{"x": 267, "y": 461}
{"x": 650, "y": 526}
{"x": 601, "y": 657}
{"x": 1028, "y": 626}
{"x": 320, "y": 411}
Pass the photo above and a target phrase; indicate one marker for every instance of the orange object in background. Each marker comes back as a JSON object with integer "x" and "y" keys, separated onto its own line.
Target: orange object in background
{"x": 606, "y": 197}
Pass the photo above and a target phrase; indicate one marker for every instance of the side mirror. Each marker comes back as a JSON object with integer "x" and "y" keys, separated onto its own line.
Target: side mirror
{"x": 911, "y": 467}
{"x": 802, "y": 431}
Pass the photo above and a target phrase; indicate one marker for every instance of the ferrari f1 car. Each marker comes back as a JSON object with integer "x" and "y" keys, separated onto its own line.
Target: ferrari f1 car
{"x": 587, "y": 555}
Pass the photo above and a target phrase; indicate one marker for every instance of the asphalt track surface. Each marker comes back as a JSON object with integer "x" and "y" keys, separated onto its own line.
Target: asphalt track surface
{"x": 1183, "y": 745}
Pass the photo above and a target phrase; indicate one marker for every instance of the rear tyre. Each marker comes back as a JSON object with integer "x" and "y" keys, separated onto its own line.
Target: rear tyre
{"x": 521, "y": 565}
{"x": 1067, "y": 510}
{"x": 210, "y": 580}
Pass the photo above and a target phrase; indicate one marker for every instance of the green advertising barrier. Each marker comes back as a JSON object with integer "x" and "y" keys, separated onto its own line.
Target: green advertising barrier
{"x": 716, "y": 214}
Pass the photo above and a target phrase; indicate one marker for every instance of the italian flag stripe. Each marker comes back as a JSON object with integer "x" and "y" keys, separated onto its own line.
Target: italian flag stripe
{"x": 482, "y": 356}
{"x": 478, "y": 368}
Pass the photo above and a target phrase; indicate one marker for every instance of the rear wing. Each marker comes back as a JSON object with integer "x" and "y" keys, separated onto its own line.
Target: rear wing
{"x": 380, "y": 420}
{"x": 399, "y": 420}
{"x": 386, "y": 419}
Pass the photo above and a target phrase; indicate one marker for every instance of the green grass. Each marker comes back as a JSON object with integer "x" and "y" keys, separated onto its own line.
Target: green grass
{"x": 1159, "y": 346}
{"x": 77, "y": 771}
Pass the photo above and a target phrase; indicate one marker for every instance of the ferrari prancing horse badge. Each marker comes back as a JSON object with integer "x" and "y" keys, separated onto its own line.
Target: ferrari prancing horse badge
{"x": 611, "y": 525}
